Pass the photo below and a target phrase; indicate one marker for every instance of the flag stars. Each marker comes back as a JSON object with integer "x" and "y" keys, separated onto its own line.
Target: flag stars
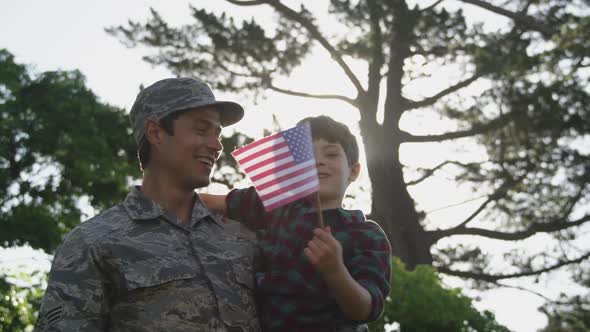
{"x": 299, "y": 141}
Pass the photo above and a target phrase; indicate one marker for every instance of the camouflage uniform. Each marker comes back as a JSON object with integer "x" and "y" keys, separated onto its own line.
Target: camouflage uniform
{"x": 135, "y": 267}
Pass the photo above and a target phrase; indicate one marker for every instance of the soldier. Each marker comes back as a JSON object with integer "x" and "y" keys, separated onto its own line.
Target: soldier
{"x": 159, "y": 261}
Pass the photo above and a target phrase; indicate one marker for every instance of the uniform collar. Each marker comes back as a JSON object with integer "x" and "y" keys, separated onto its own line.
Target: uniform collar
{"x": 139, "y": 207}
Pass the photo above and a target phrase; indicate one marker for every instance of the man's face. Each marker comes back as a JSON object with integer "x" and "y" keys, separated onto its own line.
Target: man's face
{"x": 188, "y": 156}
{"x": 334, "y": 172}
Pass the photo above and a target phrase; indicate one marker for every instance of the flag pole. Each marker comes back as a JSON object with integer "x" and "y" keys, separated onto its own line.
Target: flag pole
{"x": 319, "y": 209}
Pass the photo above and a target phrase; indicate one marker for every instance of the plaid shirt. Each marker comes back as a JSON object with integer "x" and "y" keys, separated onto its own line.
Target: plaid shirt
{"x": 293, "y": 296}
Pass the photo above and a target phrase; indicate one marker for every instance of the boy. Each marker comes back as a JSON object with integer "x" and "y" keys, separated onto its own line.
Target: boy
{"x": 317, "y": 279}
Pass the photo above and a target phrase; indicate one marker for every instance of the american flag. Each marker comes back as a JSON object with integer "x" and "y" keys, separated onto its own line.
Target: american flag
{"x": 281, "y": 166}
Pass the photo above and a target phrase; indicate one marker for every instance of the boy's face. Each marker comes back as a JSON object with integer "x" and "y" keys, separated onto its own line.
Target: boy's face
{"x": 334, "y": 172}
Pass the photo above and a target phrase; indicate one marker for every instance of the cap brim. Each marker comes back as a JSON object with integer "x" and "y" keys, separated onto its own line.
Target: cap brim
{"x": 229, "y": 112}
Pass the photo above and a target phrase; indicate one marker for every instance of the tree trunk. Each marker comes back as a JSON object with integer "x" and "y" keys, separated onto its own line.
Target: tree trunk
{"x": 392, "y": 207}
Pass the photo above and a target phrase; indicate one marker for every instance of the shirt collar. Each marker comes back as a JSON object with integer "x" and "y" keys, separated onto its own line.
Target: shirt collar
{"x": 345, "y": 216}
{"x": 139, "y": 207}
{"x": 349, "y": 216}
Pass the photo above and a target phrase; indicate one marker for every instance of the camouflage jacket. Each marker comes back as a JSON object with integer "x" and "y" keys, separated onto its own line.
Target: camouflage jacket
{"x": 135, "y": 267}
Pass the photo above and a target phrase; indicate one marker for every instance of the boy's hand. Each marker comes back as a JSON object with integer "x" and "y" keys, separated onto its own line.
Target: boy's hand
{"x": 324, "y": 252}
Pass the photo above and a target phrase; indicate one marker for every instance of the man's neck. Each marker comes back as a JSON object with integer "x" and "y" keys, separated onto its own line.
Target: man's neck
{"x": 168, "y": 194}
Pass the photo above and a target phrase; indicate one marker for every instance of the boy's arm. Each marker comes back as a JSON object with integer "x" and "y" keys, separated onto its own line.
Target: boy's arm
{"x": 214, "y": 202}
{"x": 325, "y": 254}
{"x": 242, "y": 205}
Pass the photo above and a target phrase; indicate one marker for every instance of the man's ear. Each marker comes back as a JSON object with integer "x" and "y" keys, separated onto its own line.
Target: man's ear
{"x": 355, "y": 171}
{"x": 153, "y": 132}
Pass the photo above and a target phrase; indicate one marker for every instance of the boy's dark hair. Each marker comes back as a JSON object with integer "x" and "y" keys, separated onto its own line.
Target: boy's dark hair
{"x": 334, "y": 132}
{"x": 143, "y": 151}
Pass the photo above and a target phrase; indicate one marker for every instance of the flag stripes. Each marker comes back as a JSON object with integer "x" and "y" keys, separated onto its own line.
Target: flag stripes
{"x": 281, "y": 166}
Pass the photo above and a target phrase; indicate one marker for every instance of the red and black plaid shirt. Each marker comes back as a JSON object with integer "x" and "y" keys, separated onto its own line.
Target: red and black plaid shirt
{"x": 293, "y": 296}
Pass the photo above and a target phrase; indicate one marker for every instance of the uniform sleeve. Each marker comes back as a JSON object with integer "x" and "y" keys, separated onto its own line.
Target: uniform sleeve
{"x": 245, "y": 206}
{"x": 75, "y": 299}
{"x": 370, "y": 265}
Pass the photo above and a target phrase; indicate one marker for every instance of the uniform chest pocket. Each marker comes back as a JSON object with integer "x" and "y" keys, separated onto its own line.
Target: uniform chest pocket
{"x": 229, "y": 259}
{"x": 240, "y": 256}
{"x": 243, "y": 271}
{"x": 158, "y": 271}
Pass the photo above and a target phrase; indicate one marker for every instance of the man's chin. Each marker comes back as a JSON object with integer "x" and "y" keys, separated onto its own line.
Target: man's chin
{"x": 201, "y": 183}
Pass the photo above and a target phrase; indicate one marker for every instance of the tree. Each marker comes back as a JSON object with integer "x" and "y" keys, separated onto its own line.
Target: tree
{"x": 419, "y": 302}
{"x": 58, "y": 143}
{"x": 529, "y": 112}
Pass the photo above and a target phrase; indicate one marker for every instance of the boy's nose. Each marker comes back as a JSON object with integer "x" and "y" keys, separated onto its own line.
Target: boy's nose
{"x": 319, "y": 160}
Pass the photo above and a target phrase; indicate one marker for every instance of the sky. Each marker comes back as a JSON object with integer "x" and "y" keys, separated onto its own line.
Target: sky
{"x": 69, "y": 34}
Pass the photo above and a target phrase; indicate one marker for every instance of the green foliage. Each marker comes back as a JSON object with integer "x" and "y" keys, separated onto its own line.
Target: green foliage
{"x": 19, "y": 305}
{"x": 58, "y": 142}
{"x": 419, "y": 302}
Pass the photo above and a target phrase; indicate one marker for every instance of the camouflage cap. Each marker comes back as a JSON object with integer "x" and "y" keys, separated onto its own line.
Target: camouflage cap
{"x": 178, "y": 94}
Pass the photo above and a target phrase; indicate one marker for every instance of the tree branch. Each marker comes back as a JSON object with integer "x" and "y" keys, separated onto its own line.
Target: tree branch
{"x": 428, "y": 173}
{"x": 455, "y": 204}
{"x": 431, "y": 100}
{"x": 475, "y": 130}
{"x": 574, "y": 69}
{"x": 309, "y": 95}
{"x": 525, "y": 290}
{"x": 570, "y": 204}
{"x": 315, "y": 33}
{"x": 431, "y": 6}
{"x": 501, "y": 191}
{"x": 247, "y": 3}
{"x": 526, "y": 6}
{"x": 222, "y": 65}
{"x": 494, "y": 278}
{"x": 377, "y": 58}
{"x": 490, "y": 199}
{"x": 521, "y": 19}
{"x": 400, "y": 39}
{"x": 549, "y": 227}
